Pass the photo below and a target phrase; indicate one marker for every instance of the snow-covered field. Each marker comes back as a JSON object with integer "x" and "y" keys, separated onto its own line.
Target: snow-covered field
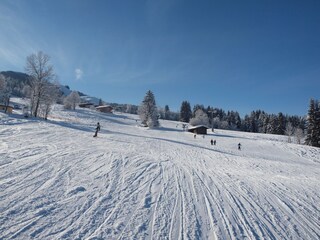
{"x": 58, "y": 182}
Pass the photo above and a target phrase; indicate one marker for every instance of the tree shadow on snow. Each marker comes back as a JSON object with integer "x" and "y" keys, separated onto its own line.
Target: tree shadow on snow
{"x": 227, "y": 136}
{"x": 74, "y": 126}
{"x": 170, "y": 129}
{"x": 108, "y": 117}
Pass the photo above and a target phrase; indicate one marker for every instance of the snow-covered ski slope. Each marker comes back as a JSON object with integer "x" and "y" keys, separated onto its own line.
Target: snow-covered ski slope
{"x": 58, "y": 182}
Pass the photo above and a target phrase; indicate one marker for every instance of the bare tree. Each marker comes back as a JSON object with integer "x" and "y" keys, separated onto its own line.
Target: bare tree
{"x": 72, "y": 100}
{"x": 50, "y": 96}
{"x": 299, "y": 135}
{"x": 200, "y": 118}
{"x": 289, "y": 131}
{"x": 41, "y": 79}
{"x": 26, "y": 90}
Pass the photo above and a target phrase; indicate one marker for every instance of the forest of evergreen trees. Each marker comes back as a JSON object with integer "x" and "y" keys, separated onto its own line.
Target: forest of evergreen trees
{"x": 295, "y": 127}
{"x": 258, "y": 121}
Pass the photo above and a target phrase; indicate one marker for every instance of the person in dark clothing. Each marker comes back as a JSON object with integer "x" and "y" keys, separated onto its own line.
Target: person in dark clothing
{"x": 97, "y": 130}
{"x": 211, "y": 142}
{"x": 214, "y": 142}
{"x": 96, "y": 133}
{"x": 239, "y": 146}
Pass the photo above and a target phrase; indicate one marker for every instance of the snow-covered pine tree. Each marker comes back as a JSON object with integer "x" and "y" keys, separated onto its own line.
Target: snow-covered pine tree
{"x": 263, "y": 120}
{"x": 313, "y": 124}
{"x": 272, "y": 124}
{"x": 185, "y": 112}
{"x": 254, "y": 121}
{"x": 318, "y": 123}
{"x": 245, "y": 123}
{"x": 238, "y": 121}
{"x": 4, "y": 91}
{"x": 281, "y": 124}
{"x": 166, "y": 112}
{"x": 233, "y": 119}
{"x": 148, "y": 111}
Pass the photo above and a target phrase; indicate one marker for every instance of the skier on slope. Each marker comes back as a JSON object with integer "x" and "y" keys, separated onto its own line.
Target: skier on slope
{"x": 97, "y": 130}
{"x": 239, "y": 146}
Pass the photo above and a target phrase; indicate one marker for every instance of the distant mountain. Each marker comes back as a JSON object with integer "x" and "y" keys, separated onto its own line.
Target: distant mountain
{"x": 18, "y": 80}
{"x": 65, "y": 90}
{"x": 89, "y": 99}
{"x": 16, "y": 76}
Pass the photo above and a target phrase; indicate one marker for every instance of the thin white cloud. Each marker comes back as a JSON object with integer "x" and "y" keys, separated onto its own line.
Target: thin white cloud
{"x": 79, "y": 73}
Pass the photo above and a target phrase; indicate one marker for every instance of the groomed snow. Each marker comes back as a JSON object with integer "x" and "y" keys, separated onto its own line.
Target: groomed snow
{"x": 58, "y": 182}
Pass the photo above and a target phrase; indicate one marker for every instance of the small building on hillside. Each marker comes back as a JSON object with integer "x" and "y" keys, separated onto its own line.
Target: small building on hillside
{"x": 105, "y": 109}
{"x": 201, "y": 129}
{"x": 86, "y": 105}
{"x": 4, "y": 107}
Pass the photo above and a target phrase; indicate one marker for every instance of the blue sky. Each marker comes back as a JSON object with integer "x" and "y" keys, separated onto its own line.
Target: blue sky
{"x": 236, "y": 55}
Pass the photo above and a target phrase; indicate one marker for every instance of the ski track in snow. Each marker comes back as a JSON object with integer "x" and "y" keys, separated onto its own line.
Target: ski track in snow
{"x": 58, "y": 182}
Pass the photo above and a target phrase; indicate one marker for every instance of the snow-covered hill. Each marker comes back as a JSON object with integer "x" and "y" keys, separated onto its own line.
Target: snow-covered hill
{"x": 58, "y": 182}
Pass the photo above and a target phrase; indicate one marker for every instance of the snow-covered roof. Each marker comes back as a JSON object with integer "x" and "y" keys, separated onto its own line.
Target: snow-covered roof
{"x": 104, "y": 106}
{"x": 4, "y": 105}
{"x": 66, "y": 91}
{"x": 198, "y": 126}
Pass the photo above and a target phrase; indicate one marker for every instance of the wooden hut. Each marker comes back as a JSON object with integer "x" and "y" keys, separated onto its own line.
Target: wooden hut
{"x": 4, "y": 107}
{"x": 201, "y": 129}
{"x": 86, "y": 105}
{"x": 105, "y": 108}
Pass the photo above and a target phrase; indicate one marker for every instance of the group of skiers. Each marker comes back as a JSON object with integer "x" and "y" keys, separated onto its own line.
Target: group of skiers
{"x": 214, "y": 142}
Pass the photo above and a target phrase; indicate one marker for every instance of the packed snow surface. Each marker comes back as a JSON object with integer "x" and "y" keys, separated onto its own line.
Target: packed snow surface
{"x": 58, "y": 182}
